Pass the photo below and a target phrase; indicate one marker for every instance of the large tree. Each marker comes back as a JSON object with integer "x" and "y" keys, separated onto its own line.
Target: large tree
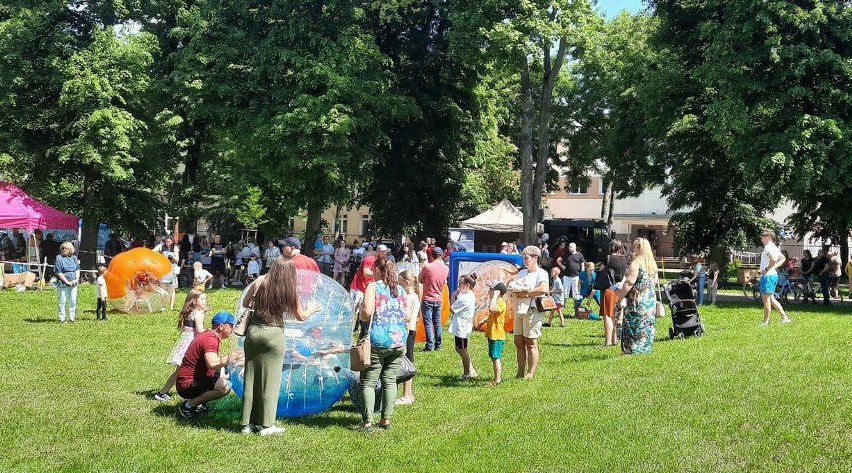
{"x": 420, "y": 184}
{"x": 751, "y": 101}
{"x": 531, "y": 41}
{"x": 75, "y": 122}
{"x": 293, "y": 93}
{"x": 602, "y": 120}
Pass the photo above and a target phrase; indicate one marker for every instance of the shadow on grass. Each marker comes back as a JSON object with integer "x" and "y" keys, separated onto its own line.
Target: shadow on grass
{"x": 224, "y": 414}
{"x": 41, "y": 321}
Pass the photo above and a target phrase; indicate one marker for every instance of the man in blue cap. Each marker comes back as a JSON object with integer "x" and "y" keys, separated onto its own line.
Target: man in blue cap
{"x": 292, "y": 248}
{"x": 198, "y": 380}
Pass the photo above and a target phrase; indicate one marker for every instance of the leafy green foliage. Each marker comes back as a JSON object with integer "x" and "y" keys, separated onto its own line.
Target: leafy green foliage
{"x": 294, "y": 94}
{"x": 75, "y": 119}
{"x": 749, "y": 104}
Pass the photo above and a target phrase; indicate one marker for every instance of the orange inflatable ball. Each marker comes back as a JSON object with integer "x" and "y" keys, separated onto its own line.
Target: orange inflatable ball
{"x": 134, "y": 275}
{"x": 445, "y": 315}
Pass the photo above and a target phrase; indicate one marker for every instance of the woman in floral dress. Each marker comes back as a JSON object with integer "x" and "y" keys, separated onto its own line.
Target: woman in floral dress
{"x": 637, "y": 330}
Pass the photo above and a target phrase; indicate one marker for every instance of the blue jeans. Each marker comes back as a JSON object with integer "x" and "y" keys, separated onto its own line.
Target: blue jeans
{"x": 69, "y": 294}
{"x": 432, "y": 316}
{"x": 823, "y": 280}
{"x": 700, "y": 289}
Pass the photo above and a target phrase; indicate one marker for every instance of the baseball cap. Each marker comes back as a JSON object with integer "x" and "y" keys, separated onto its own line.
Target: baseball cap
{"x": 382, "y": 248}
{"x": 294, "y": 242}
{"x": 499, "y": 286}
{"x": 223, "y": 317}
{"x": 437, "y": 251}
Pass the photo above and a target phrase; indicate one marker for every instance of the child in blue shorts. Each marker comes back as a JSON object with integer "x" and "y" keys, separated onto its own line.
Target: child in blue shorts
{"x": 495, "y": 330}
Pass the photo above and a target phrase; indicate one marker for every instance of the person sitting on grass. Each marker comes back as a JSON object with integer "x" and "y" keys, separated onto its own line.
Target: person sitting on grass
{"x": 198, "y": 379}
{"x": 556, "y": 289}
{"x": 495, "y": 330}
{"x": 587, "y": 283}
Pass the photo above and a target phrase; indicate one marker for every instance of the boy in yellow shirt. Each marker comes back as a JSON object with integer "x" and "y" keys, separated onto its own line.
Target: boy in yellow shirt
{"x": 495, "y": 330}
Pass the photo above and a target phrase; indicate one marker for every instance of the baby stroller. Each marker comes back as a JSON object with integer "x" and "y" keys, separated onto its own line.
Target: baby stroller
{"x": 685, "y": 318}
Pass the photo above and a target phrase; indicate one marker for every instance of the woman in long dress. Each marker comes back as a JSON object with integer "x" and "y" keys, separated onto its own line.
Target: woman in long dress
{"x": 637, "y": 330}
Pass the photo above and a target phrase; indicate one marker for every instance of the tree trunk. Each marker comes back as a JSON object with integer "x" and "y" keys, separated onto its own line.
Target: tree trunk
{"x": 312, "y": 227}
{"x": 532, "y": 178}
{"x": 610, "y": 216}
{"x": 605, "y": 210}
{"x": 529, "y": 205}
{"x": 89, "y": 243}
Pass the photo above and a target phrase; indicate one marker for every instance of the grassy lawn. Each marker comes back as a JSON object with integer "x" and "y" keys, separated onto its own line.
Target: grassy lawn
{"x": 76, "y": 397}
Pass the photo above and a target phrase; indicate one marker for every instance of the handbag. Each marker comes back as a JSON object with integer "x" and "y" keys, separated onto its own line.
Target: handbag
{"x": 407, "y": 370}
{"x": 660, "y": 309}
{"x": 604, "y": 278}
{"x": 359, "y": 354}
{"x": 545, "y": 304}
{"x": 241, "y": 327}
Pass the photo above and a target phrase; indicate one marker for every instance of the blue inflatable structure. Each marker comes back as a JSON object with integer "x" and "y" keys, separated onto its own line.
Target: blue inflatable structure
{"x": 315, "y": 372}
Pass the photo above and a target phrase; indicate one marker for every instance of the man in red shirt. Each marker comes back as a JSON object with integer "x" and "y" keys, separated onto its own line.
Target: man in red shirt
{"x": 198, "y": 378}
{"x": 434, "y": 277}
{"x": 292, "y": 248}
{"x": 430, "y": 243}
{"x": 364, "y": 276}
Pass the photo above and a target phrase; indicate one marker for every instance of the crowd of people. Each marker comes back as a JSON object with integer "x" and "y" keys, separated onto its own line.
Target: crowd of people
{"x": 390, "y": 305}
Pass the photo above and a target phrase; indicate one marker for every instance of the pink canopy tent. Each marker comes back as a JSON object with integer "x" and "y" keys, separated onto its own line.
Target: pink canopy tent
{"x": 19, "y": 210}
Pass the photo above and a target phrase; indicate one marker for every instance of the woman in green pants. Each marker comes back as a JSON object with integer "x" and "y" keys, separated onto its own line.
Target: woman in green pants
{"x": 274, "y": 298}
{"x": 384, "y": 309}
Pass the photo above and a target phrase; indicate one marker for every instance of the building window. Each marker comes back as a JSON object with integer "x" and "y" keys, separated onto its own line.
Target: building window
{"x": 578, "y": 190}
{"x": 342, "y": 226}
{"x": 365, "y": 224}
{"x": 291, "y": 224}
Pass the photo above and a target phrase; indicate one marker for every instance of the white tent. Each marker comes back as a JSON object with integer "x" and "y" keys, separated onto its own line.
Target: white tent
{"x": 502, "y": 218}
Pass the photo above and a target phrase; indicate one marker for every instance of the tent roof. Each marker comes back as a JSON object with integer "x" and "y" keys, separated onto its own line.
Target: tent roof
{"x": 502, "y": 218}
{"x": 19, "y": 210}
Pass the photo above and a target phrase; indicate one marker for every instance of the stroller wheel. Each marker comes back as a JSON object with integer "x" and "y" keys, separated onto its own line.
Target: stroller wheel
{"x": 681, "y": 336}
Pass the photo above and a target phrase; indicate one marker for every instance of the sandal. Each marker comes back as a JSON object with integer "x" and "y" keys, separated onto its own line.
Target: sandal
{"x": 491, "y": 384}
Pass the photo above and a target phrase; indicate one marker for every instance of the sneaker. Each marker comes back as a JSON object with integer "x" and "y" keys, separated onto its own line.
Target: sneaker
{"x": 185, "y": 410}
{"x": 404, "y": 401}
{"x": 249, "y": 429}
{"x": 764, "y": 324}
{"x": 201, "y": 409}
{"x": 787, "y": 320}
{"x": 363, "y": 428}
{"x": 272, "y": 430}
{"x": 162, "y": 397}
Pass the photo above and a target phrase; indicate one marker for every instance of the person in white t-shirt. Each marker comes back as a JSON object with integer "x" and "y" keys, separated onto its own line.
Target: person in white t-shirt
{"x": 200, "y": 276}
{"x": 770, "y": 259}
{"x": 531, "y": 282}
{"x": 100, "y": 311}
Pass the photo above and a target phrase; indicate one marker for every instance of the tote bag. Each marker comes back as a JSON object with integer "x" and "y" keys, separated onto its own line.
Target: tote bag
{"x": 359, "y": 354}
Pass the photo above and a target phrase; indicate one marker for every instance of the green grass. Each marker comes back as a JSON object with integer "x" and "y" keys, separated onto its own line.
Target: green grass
{"x": 743, "y": 398}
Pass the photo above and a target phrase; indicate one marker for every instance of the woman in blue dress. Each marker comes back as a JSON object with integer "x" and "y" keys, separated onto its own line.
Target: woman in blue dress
{"x": 637, "y": 330}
